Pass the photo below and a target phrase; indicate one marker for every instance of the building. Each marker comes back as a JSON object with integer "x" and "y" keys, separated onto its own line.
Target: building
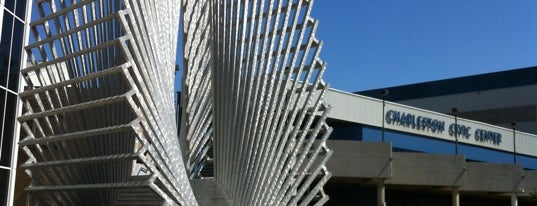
{"x": 422, "y": 157}
{"x": 14, "y": 23}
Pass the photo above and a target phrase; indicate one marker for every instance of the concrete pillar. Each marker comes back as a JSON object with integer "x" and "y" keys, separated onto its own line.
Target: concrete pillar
{"x": 455, "y": 196}
{"x": 381, "y": 193}
{"x": 514, "y": 200}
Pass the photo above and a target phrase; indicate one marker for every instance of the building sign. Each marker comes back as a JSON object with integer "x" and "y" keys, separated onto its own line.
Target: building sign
{"x": 437, "y": 127}
{"x": 410, "y": 120}
{"x": 488, "y": 137}
{"x": 459, "y": 130}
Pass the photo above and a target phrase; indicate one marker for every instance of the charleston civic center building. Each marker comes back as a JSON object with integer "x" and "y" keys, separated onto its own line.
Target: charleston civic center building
{"x": 89, "y": 114}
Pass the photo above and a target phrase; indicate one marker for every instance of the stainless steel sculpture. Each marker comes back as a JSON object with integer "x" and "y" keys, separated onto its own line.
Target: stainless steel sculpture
{"x": 99, "y": 122}
{"x": 99, "y": 119}
{"x": 252, "y": 90}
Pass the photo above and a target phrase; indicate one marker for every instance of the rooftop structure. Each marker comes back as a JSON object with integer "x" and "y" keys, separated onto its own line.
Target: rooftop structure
{"x": 497, "y": 98}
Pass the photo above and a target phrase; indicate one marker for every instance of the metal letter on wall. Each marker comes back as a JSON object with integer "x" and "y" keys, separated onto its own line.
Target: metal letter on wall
{"x": 99, "y": 121}
{"x": 253, "y": 95}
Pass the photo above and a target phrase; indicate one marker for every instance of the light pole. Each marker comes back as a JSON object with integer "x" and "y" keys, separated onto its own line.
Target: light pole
{"x": 513, "y": 125}
{"x": 383, "y": 93}
{"x": 454, "y": 112}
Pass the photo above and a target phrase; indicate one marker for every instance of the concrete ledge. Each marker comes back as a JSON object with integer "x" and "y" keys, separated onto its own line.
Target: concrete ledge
{"x": 530, "y": 183}
{"x": 427, "y": 169}
{"x": 493, "y": 177}
{"x": 357, "y": 159}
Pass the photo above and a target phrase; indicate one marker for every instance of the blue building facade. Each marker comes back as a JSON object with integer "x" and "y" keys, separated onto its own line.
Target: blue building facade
{"x": 408, "y": 142}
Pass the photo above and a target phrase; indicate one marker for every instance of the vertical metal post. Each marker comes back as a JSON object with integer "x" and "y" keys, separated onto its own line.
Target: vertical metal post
{"x": 455, "y": 196}
{"x": 382, "y": 119}
{"x": 383, "y": 93}
{"x": 513, "y": 125}
{"x": 514, "y": 199}
{"x": 18, "y": 108}
{"x": 381, "y": 193}
{"x": 454, "y": 112}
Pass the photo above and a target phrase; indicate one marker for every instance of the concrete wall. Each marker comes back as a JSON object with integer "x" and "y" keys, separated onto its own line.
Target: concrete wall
{"x": 493, "y": 177}
{"x": 374, "y": 160}
{"x": 427, "y": 169}
{"x": 530, "y": 183}
{"x": 360, "y": 159}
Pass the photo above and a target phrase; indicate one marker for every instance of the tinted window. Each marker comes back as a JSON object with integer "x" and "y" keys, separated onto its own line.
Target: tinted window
{"x": 16, "y": 52}
{"x": 4, "y": 177}
{"x": 8, "y": 106}
{"x": 20, "y": 8}
{"x": 10, "y": 4}
{"x": 5, "y": 47}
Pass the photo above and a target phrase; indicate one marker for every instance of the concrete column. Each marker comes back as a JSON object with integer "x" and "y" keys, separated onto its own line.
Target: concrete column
{"x": 381, "y": 193}
{"x": 455, "y": 196}
{"x": 514, "y": 199}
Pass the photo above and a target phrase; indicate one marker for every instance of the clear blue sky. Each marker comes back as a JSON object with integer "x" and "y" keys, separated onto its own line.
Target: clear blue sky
{"x": 371, "y": 44}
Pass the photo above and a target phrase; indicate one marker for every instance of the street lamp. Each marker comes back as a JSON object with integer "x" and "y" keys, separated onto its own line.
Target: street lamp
{"x": 454, "y": 112}
{"x": 383, "y": 93}
{"x": 513, "y": 125}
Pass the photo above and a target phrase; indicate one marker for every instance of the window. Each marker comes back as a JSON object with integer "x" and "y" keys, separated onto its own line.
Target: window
{"x": 5, "y": 47}
{"x": 7, "y": 120}
{"x": 4, "y": 180}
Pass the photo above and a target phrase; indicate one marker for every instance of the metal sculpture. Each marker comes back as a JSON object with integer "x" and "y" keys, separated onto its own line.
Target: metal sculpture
{"x": 99, "y": 120}
{"x": 253, "y": 94}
